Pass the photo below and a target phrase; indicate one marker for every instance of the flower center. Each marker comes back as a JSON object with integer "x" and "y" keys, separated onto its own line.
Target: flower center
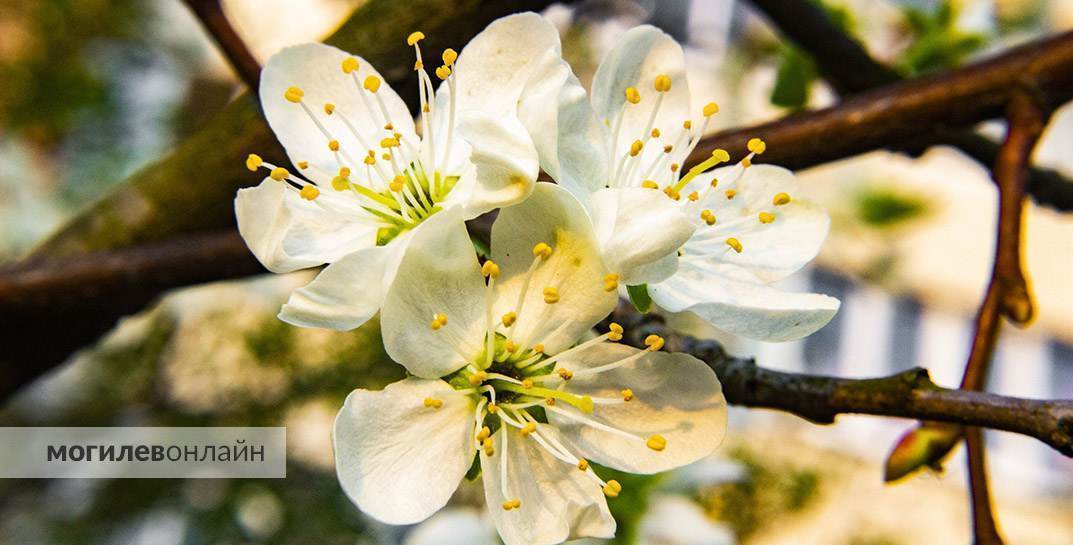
{"x": 392, "y": 181}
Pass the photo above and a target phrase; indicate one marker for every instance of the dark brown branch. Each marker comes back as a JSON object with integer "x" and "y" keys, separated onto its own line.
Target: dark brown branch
{"x": 984, "y": 526}
{"x": 850, "y": 69}
{"x": 212, "y": 17}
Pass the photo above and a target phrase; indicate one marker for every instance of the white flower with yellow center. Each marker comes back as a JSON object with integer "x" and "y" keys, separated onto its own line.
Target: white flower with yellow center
{"x": 707, "y": 240}
{"x": 502, "y": 379}
{"x": 365, "y": 180}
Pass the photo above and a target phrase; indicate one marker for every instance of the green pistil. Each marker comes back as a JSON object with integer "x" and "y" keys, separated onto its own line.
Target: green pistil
{"x": 582, "y": 403}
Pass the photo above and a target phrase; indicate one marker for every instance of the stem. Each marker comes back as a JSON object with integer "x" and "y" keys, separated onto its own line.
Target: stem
{"x": 212, "y": 17}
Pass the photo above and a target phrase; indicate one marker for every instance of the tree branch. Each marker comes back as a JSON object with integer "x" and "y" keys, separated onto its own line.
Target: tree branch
{"x": 212, "y": 17}
{"x": 850, "y": 69}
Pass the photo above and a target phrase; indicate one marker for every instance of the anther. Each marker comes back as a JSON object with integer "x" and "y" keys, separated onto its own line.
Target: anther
{"x": 415, "y": 37}
{"x": 710, "y": 109}
{"x": 303, "y": 164}
{"x": 443, "y": 72}
{"x": 293, "y": 94}
{"x": 636, "y": 148}
{"x": 721, "y": 155}
{"x": 418, "y": 65}
{"x": 538, "y": 347}
{"x": 527, "y": 383}
{"x": 372, "y": 84}
{"x": 654, "y": 342}
{"x": 655, "y": 132}
{"x": 490, "y": 269}
{"x": 687, "y": 124}
{"x": 668, "y": 148}
{"x": 438, "y": 321}
{"x": 611, "y": 282}
{"x": 542, "y": 250}
{"x": 649, "y": 184}
{"x": 583, "y": 464}
{"x": 511, "y": 504}
{"x": 662, "y": 83}
{"x": 389, "y": 142}
{"x": 309, "y": 193}
{"x": 730, "y": 193}
{"x": 694, "y": 196}
{"x": 656, "y": 443}
{"x": 492, "y": 407}
{"x": 781, "y": 199}
{"x": 551, "y": 295}
{"x": 344, "y": 172}
{"x": 735, "y": 244}
{"x": 549, "y": 401}
{"x": 627, "y": 394}
{"x": 565, "y": 374}
{"x": 510, "y": 347}
{"x": 279, "y": 174}
{"x": 253, "y": 162}
{"x": 746, "y": 162}
{"x": 708, "y": 217}
{"x": 485, "y": 433}
{"x": 433, "y": 403}
{"x": 449, "y": 56}
{"x": 489, "y": 447}
{"x": 509, "y": 319}
{"x": 756, "y": 146}
{"x": 615, "y": 333}
{"x": 674, "y": 167}
{"x": 671, "y": 192}
{"x": 333, "y": 145}
{"x": 370, "y": 160}
{"x": 612, "y": 488}
{"x": 529, "y": 428}
{"x": 329, "y": 108}
{"x": 349, "y": 65}
{"x": 632, "y": 96}
{"x": 766, "y": 217}
{"x": 477, "y": 378}
{"x": 340, "y": 183}
{"x": 398, "y": 183}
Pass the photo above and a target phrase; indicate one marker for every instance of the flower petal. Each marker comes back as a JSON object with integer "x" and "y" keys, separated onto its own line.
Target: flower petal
{"x": 453, "y": 526}
{"x": 729, "y": 299}
{"x": 552, "y": 216}
{"x": 674, "y": 519}
{"x": 558, "y": 502}
{"x": 316, "y": 70}
{"x": 348, "y": 292}
{"x": 398, "y": 460}
{"x": 641, "y": 55}
{"x": 675, "y": 396}
{"x": 504, "y": 158}
{"x": 637, "y": 227}
{"x": 770, "y": 251}
{"x": 287, "y": 233}
{"x": 438, "y": 274}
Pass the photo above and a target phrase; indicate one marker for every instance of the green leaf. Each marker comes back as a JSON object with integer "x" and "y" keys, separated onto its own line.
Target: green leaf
{"x": 796, "y": 73}
{"x": 639, "y": 297}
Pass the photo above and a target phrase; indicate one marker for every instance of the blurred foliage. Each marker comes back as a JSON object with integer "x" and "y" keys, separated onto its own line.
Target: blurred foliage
{"x": 797, "y": 71}
{"x": 630, "y": 505}
{"x": 883, "y": 207}
{"x": 937, "y": 42}
{"x": 770, "y": 491}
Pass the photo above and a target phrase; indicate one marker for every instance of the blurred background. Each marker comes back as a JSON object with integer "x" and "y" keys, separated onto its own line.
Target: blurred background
{"x": 93, "y": 90}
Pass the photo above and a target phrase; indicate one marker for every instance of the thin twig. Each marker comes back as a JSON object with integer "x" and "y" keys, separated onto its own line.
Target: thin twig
{"x": 213, "y": 18}
{"x": 846, "y": 65}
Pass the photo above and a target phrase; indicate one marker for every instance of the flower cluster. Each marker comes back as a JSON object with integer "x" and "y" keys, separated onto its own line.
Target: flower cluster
{"x": 507, "y": 379}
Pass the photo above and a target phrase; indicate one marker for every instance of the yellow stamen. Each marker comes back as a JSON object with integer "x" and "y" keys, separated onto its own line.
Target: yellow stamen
{"x": 340, "y": 183}
{"x": 489, "y": 447}
{"x": 612, "y": 488}
{"x": 551, "y": 295}
{"x": 615, "y": 333}
{"x": 511, "y": 347}
{"x": 389, "y": 142}
{"x": 509, "y": 319}
{"x": 415, "y": 37}
{"x": 627, "y": 394}
{"x": 443, "y": 72}
{"x": 449, "y": 56}
{"x": 781, "y": 199}
{"x": 632, "y": 95}
{"x": 253, "y": 162}
{"x": 694, "y": 196}
{"x": 654, "y": 342}
{"x": 293, "y": 94}
{"x": 746, "y": 162}
{"x": 649, "y": 184}
{"x": 662, "y": 83}
{"x": 668, "y": 148}
{"x": 611, "y": 282}
{"x": 735, "y": 244}
{"x": 710, "y": 109}
{"x": 655, "y": 132}
{"x": 418, "y": 65}
{"x": 279, "y": 174}
{"x": 708, "y": 217}
{"x": 303, "y": 164}
{"x": 583, "y": 464}
{"x": 730, "y": 193}
{"x": 527, "y": 383}
{"x": 370, "y": 159}
{"x": 485, "y": 433}
{"x": 756, "y": 146}
{"x": 721, "y": 155}
{"x": 671, "y": 192}
{"x": 538, "y": 347}
{"x": 372, "y": 84}
{"x": 549, "y": 401}
{"x": 490, "y": 269}
{"x": 309, "y": 193}
{"x": 565, "y": 374}
{"x": 715, "y": 183}
{"x": 433, "y": 403}
{"x": 766, "y": 217}
{"x": 529, "y": 428}
{"x": 656, "y": 443}
{"x": 398, "y": 183}
{"x": 477, "y": 378}
{"x": 492, "y": 407}
{"x": 329, "y": 108}
{"x": 636, "y": 148}
{"x": 344, "y": 172}
{"x": 687, "y": 124}
{"x": 333, "y": 145}
{"x": 511, "y": 504}
{"x": 542, "y": 250}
